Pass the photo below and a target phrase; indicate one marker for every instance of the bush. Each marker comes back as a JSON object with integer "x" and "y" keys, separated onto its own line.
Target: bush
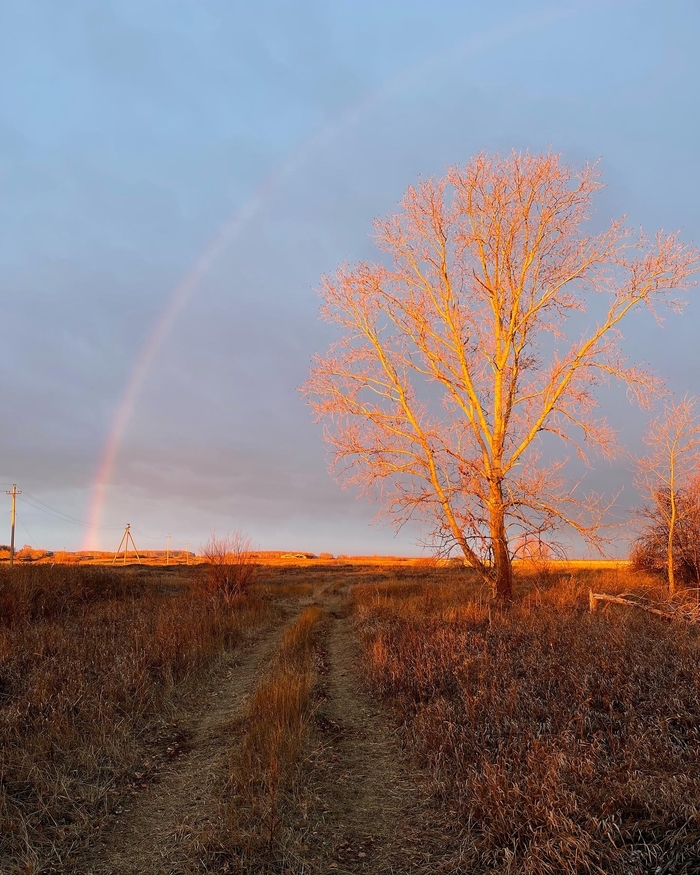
{"x": 230, "y": 565}
{"x": 30, "y": 554}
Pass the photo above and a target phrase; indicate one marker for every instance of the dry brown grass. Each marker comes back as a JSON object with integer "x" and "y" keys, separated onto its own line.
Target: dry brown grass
{"x": 286, "y": 590}
{"x": 90, "y": 661}
{"x": 558, "y": 741}
{"x": 263, "y": 766}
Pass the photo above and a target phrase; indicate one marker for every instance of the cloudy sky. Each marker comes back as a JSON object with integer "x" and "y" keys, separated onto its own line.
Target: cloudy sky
{"x": 177, "y": 175}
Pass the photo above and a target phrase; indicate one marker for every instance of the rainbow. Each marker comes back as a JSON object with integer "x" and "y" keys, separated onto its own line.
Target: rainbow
{"x": 179, "y": 298}
{"x": 233, "y": 227}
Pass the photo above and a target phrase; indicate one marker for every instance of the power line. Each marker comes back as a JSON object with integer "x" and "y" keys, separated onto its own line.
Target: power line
{"x": 64, "y": 516}
{"x": 31, "y": 537}
{"x": 39, "y": 504}
{"x": 48, "y": 506}
{"x": 59, "y": 516}
{"x": 144, "y": 535}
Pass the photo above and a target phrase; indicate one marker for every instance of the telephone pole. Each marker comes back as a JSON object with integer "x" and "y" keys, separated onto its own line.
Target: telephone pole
{"x": 167, "y": 549}
{"x": 14, "y": 492}
{"x": 126, "y": 537}
{"x": 187, "y": 552}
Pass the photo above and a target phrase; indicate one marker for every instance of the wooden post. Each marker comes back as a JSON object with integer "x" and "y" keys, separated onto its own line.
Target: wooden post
{"x": 14, "y": 492}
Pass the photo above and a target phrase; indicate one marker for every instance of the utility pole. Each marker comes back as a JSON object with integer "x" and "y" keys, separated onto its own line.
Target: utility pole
{"x": 126, "y": 537}
{"x": 187, "y": 552}
{"x": 167, "y": 549}
{"x": 14, "y": 492}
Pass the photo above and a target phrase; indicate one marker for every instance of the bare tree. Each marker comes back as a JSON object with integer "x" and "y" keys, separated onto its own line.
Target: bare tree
{"x": 453, "y": 364}
{"x": 650, "y": 549}
{"x": 667, "y": 473}
{"x": 231, "y": 565}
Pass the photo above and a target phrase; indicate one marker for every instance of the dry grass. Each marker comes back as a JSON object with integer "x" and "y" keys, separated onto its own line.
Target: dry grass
{"x": 558, "y": 741}
{"x": 249, "y": 837}
{"x": 90, "y": 661}
{"x": 297, "y": 590}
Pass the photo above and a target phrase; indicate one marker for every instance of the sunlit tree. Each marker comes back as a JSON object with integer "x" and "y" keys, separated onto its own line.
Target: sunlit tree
{"x": 668, "y": 473}
{"x": 457, "y": 355}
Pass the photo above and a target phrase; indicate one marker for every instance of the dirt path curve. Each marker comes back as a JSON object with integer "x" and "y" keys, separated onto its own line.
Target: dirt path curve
{"x": 153, "y": 837}
{"x": 371, "y": 812}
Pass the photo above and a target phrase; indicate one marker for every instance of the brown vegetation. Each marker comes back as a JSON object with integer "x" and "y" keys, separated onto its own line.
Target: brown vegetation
{"x": 91, "y": 660}
{"x": 539, "y": 738}
{"x": 263, "y": 763}
{"x": 557, "y": 740}
{"x": 231, "y": 565}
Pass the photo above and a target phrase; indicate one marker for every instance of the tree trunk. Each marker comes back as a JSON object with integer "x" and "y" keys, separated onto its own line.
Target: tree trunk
{"x": 499, "y": 541}
{"x": 669, "y": 547}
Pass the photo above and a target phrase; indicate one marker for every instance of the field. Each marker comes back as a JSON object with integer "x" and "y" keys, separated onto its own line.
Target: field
{"x": 344, "y": 716}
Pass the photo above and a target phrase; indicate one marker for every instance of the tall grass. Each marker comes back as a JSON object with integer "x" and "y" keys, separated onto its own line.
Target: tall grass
{"x": 90, "y": 659}
{"x": 263, "y": 765}
{"x": 560, "y": 741}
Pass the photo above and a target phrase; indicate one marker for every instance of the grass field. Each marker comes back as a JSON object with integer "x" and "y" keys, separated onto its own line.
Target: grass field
{"x": 352, "y": 716}
{"x": 557, "y": 740}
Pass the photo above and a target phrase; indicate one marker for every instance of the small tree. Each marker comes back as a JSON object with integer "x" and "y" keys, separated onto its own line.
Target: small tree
{"x": 453, "y": 360}
{"x": 668, "y": 474}
{"x": 231, "y": 565}
{"x": 650, "y": 549}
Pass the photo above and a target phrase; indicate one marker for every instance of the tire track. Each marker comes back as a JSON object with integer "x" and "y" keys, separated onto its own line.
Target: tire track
{"x": 155, "y": 836}
{"x": 370, "y": 808}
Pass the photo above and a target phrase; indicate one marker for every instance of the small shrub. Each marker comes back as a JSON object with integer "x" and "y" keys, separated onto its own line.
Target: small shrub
{"x": 231, "y": 566}
{"x": 29, "y": 554}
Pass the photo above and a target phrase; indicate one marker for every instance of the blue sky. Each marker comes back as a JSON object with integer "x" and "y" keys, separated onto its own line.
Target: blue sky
{"x": 131, "y": 132}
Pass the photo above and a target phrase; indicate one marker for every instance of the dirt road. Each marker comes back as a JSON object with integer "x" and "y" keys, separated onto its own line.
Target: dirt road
{"x": 152, "y": 835}
{"x": 358, "y": 806}
{"x": 370, "y": 811}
